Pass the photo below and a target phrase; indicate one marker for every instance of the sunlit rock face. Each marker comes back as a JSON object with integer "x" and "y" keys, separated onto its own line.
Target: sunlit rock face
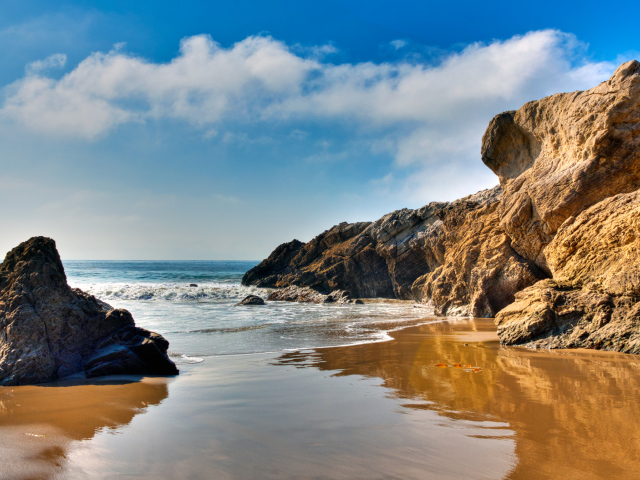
{"x": 569, "y": 165}
{"x": 474, "y": 271}
{"x": 558, "y": 156}
{"x": 593, "y": 300}
{"x": 49, "y": 330}
{"x": 452, "y": 255}
{"x": 565, "y": 215}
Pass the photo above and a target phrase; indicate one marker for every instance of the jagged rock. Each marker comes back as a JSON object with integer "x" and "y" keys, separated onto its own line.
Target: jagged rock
{"x": 49, "y": 330}
{"x": 473, "y": 271}
{"x": 251, "y": 300}
{"x": 452, "y": 255}
{"x": 295, "y": 293}
{"x": 594, "y": 299}
{"x": 342, "y": 258}
{"x": 268, "y": 272}
{"x": 558, "y": 156}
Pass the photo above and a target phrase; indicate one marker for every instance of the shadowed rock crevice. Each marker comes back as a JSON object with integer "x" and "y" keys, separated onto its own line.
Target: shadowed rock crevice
{"x": 49, "y": 330}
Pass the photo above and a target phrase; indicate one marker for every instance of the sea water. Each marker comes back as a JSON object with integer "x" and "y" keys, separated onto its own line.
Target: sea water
{"x": 193, "y": 305}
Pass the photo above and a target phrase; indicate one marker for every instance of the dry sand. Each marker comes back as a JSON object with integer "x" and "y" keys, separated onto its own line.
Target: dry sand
{"x": 369, "y": 411}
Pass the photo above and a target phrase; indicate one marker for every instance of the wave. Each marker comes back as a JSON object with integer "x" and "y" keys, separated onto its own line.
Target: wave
{"x": 226, "y": 330}
{"x": 182, "y": 359}
{"x": 171, "y": 292}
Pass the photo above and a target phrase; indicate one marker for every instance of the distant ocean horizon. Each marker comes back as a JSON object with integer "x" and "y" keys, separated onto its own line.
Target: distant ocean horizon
{"x": 193, "y": 304}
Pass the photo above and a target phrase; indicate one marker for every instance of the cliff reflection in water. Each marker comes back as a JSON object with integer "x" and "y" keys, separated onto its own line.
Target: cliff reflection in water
{"x": 574, "y": 413}
{"x": 39, "y": 424}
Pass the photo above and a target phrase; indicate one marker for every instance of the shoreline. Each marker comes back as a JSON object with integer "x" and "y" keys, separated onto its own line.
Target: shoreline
{"x": 324, "y": 413}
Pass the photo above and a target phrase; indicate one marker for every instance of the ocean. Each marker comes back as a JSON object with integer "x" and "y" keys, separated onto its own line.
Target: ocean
{"x": 203, "y": 320}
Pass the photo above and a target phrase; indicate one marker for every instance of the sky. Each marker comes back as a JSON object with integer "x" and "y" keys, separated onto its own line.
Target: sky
{"x": 218, "y": 130}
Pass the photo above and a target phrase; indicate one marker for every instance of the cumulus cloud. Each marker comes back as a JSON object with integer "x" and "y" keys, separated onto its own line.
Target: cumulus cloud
{"x": 422, "y": 112}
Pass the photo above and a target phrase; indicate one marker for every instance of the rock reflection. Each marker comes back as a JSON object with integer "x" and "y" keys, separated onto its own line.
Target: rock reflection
{"x": 39, "y": 424}
{"x": 574, "y": 413}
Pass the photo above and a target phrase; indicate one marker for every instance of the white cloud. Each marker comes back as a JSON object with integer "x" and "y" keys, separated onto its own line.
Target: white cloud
{"x": 422, "y": 113}
{"x": 56, "y": 60}
{"x": 398, "y": 44}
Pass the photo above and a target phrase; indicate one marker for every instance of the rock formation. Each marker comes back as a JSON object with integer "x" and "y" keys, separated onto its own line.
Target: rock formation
{"x": 555, "y": 249}
{"x": 251, "y": 300}
{"x": 309, "y": 295}
{"x": 594, "y": 298}
{"x": 452, "y": 255}
{"x": 49, "y": 330}
{"x": 558, "y": 156}
{"x": 572, "y": 205}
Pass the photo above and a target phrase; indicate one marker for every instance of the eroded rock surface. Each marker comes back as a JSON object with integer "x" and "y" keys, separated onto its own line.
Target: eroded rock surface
{"x": 473, "y": 271}
{"x": 49, "y": 330}
{"x": 570, "y": 168}
{"x": 451, "y": 255}
{"x": 594, "y": 299}
{"x": 558, "y": 156}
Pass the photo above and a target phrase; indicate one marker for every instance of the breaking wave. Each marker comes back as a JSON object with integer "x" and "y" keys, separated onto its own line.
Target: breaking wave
{"x": 171, "y": 292}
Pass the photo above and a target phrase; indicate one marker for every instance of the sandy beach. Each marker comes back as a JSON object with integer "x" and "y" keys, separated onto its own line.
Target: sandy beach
{"x": 381, "y": 410}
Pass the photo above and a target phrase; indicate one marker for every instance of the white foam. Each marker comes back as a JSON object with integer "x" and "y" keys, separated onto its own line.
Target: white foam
{"x": 173, "y": 292}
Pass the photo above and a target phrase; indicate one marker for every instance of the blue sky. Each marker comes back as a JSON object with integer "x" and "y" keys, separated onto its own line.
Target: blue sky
{"x": 217, "y": 130}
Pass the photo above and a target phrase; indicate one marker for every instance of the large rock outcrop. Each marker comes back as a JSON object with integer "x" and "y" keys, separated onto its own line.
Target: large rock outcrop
{"x": 558, "y": 156}
{"x": 570, "y": 168}
{"x": 474, "y": 271}
{"x": 49, "y": 330}
{"x": 451, "y": 255}
{"x": 555, "y": 249}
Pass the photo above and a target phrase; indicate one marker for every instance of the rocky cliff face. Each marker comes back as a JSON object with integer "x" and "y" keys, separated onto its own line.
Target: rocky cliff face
{"x": 570, "y": 168}
{"x": 451, "y": 255}
{"x": 474, "y": 271}
{"x": 558, "y": 156}
{"x": 49, "y": 330}
{"x": 555, "y": 249}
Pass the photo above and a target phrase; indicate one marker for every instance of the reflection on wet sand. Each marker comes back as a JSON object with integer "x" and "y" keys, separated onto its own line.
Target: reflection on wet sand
{"x": 574, "y": 413}
{"x": 39, "y": 424}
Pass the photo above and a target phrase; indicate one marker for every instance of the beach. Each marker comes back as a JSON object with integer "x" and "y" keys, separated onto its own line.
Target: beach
{"x": 375, "y": 410}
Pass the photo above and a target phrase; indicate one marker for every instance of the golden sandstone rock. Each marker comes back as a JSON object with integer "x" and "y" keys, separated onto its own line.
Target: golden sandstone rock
{"x": 582, "y": 223}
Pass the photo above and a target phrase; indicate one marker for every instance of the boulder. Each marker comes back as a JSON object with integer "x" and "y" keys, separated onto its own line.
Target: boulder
{"x": 593, "y": 300}
{"x": 251, "y": 300}
{"x": 49, "y": 330}
{"x": 295, "y": 293}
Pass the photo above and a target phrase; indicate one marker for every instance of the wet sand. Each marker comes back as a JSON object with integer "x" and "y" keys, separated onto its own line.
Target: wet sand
{"x": 383, "y": 410}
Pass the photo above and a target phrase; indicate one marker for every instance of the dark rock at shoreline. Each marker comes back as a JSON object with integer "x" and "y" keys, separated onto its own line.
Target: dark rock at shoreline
{"x": 342, "y": 258}
{"x": 49, "y": 330}
{"x": 251, "y": 300}
{"x": 268, "y": 272}
{"x": 294, "y": 293}
{"x": 193, "y": 284}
